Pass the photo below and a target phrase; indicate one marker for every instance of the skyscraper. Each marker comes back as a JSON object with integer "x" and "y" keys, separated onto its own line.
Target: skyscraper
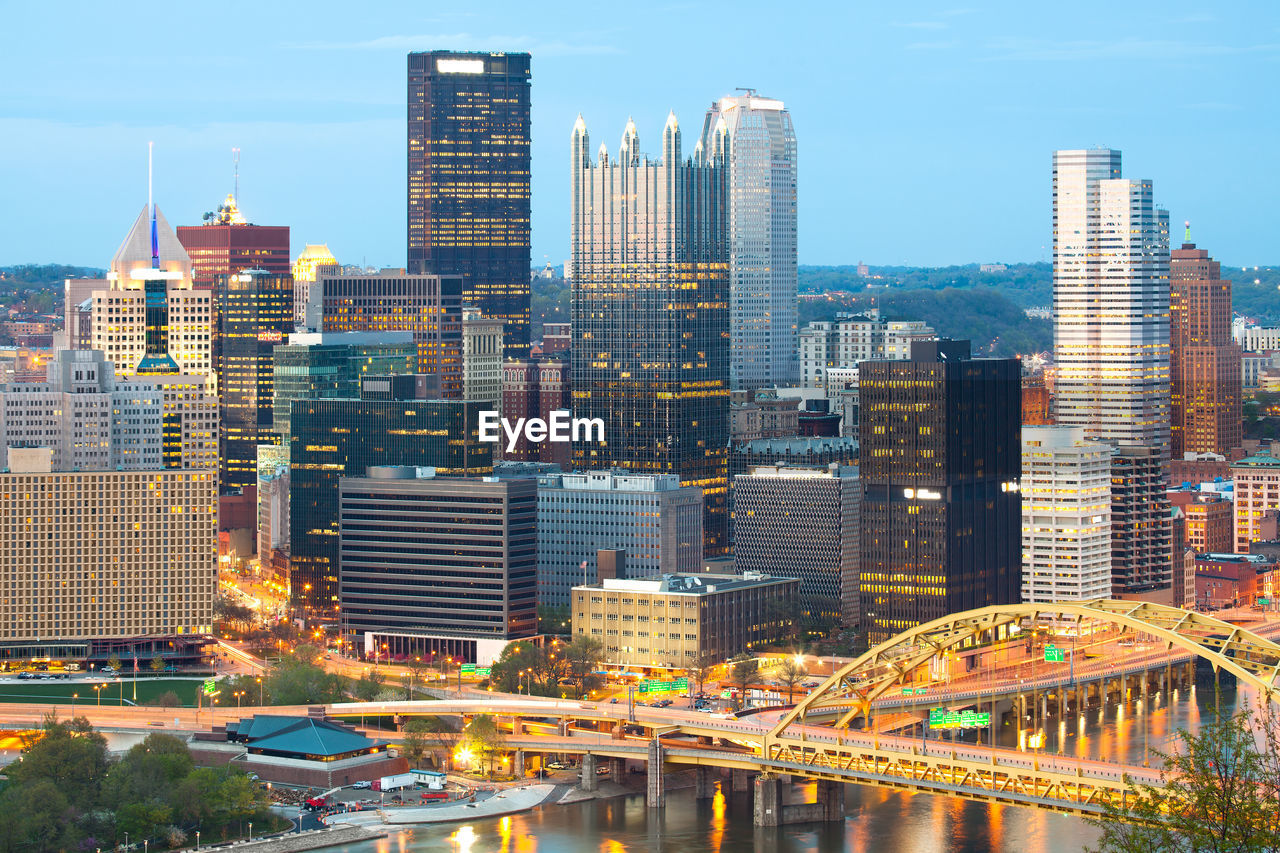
{"x": 758, "y": 145}
{"x": 650, "y": 353}
{"x": 227, "y": 243}
{"x": 1111, "y": 302}
{"x": 255, "y": 314}
{"x": 1204, "y": 361}
{"x": 469, "y": 180}
{"x": 941, "y": 515}
{"x": 306, "y": 269}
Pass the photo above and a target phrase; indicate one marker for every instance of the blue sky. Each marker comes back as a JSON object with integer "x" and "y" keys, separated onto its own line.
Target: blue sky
{"x": 925, "y": 130}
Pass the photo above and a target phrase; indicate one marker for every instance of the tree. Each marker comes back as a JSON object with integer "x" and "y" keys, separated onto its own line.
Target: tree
{"x": 484, "y": 738}
{"x": 294, "y": 680}
{"x": 114, "y": 661}
{"x": 157, "y": 663}
{"x": 417, "y": 672}
{"x": 583, "y": 654}
{"x": 744, "y": 669}
{"x": 369, "y": 685}
{"x": 415, "y": 741}
{"x": 788, "y": 674}
{"x": 702, "y": 668}
{"x": 1219, "y": 792}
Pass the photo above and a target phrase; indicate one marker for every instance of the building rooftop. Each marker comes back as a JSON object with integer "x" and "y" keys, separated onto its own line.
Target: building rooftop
{"x": 700, "y": 584}
{"x": 302, "y": 736}
{"x": 791, "y": 446}
{"x": 1259, "y": 460}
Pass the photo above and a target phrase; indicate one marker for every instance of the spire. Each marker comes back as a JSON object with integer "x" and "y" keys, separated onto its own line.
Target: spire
{"x": 671, "y": 140}
{"x": 155, "y": 236}
{"x": 629, "y": 150}
{"x": 579, "y": 126}
{"x": 1186, "y": 238}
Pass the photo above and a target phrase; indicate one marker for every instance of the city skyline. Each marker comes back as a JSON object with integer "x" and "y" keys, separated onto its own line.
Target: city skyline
{"x": 319, "y": 119}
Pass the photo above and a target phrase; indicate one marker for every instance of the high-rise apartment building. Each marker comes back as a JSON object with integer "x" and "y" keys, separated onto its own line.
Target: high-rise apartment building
{"x": 839, "y": 345}
{"x": 941, "y": 514}
{"x": 255, "y": 314}
{"x": 388, "y": 425}
{"x": 469, "y": 180}
{"x": 227, "y": 244}
{"x": 655, "y": 520}
{"x": 1066, "y": 515}
{"x": 1111, "y": 302}
{"x": 329, "y": 365}
{"x": 437, "y": 566}
{"x": 481, "y": 358}
{"x": 1204, "y": 361}
{"x": 1257, "y": 492}
{"x": 430, "y": 306}
{"x": 802, "y": 523}
{"x": 757, "y": 143}
{"x": 105, "y": 562}
{"x": 650, "y": 252}
{"x": 1141, "y": 521}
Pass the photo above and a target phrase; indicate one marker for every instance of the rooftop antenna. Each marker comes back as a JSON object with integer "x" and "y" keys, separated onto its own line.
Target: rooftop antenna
{"x": 750, "y": 92}
{"x": 235, "y": 160}
{"x": 155, "y": 238}
{"x": 1186, "y": 237}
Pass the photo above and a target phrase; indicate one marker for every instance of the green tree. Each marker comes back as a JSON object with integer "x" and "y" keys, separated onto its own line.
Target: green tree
{"x": 1219, "y": 793}
{"x": 582, "y": 655}
{"x": 296, "y": 680}
{"x": 369, "y": 685}
{"x": 484, "y": 739}
{"x": 69, "y": 754}
{"x": 702, "y": 668}
{"x": 788, "y": 674}
{"x": 157, "y": 663}
{"x": 743, "y": 670}
{"x": 418, "y": 669}
{"x": 114, "y": 661}
{"x": 416, "y": 743}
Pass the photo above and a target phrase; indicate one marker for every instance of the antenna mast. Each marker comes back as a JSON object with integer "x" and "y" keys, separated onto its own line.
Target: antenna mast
{"x": 155, "y": 239}
{"x": 235, "y": 160}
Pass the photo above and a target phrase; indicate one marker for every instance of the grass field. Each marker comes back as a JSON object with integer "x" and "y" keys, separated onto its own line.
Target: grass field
{"x": 13, "y": 690}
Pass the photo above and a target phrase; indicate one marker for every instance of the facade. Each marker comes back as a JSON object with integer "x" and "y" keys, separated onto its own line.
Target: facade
{"x": 92, "y": 420}
{"x": 329, "y": 365}
{"x": 77, "y": 311}
{"x": 1257, "y": 490}
{"x": 314, "y": 259}
{"x": 650, "y": 321}
{"x": 759, "y": 152}
{"x": 1257, "y": 338}
{"x": 428, "y": 306}
{"x": 656, "y": 521}
{"x": 793, "y": 452}
{"x": 535, "y": 389}
{"x": 1209, "y": 522}
{"x": 437, "y": 565}
{"x": 802, "y": 523}
{"x": 1204, "y": 361}
{"x": 481, "y": 358}
{"x": 273, "y": 502}
{"x": 678, "y": 621}
{"x": 333, "y": 438}
{"x": 1066, "y": 516}
{"x": 941, "y": 514}
{"x": 556, "y": 338}
{"x": 1141, "y": 522}
{"x": 255, "y": 314}
{"x": 469, "y": 179}
{"x": 842, "y": 344}
{"x": 103, "y": 562}
{"x": 1111, "y": 302}
{"x": 226, "y": 244}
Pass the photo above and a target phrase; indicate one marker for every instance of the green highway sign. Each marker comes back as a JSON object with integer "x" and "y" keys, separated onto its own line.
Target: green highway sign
{"x": 482, "y": 671}
{"x": 907, "y": 691}
{"x": 1053, "y": 654}
{"x": 653, "y": 685}
{"x": 941, "y": 718}
{"x": 209, "y": 687}
{"x": 1264, "y": 601}
{"x": 468, "y": 669}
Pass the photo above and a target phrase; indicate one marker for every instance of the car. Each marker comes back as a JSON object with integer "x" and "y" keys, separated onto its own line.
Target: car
{"x": 108, "y": 670}
{"x": 26, "y": 676}
{"x": 613, "y": 701}
{"x": 362, "y": 785}
{"x": 810, "y": 684}
{"x": 603, "y": 771}
{"x": 43, "y": 676}
{"x": 556, "y": 765}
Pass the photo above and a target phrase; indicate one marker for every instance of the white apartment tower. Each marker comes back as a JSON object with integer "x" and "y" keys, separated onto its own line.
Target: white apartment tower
{"x": 1110, "y": 302}
{"x": 1066, "y": 515}
{"x": 759, "y": 144}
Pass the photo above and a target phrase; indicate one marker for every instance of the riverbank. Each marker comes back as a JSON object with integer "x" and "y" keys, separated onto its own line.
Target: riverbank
{"x": 508, "y": 801}
{"x": 297, "y": 842}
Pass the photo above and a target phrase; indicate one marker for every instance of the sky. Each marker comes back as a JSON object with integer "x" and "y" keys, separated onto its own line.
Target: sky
{"x": 925, "y": 129}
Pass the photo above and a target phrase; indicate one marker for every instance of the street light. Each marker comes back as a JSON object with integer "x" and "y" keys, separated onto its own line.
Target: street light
{"x": 197, "y": 839}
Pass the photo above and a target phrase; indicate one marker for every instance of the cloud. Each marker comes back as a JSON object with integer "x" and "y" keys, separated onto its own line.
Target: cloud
{"x": 1034, "y": 49}
{"x": 463, "y": 41}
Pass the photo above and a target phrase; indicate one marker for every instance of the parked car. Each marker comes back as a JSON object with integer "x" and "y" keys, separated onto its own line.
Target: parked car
{"x": 26, "y": 676}
{"x": 810, "y": 684}
{"x": 556, "y": 765}
{"x": 108, "y": 670}
{"x": 613, "y": 701}
{"x": 603, "y": 771}
{"x": 362, "y": 785}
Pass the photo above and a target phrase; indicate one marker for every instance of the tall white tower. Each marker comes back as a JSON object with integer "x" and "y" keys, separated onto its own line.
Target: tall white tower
{"x": 1110, "y": 301}
{"x": 759, "y": 144}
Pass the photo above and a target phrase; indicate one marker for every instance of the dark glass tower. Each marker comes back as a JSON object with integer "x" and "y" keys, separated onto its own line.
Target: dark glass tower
{"x": 469, "y": 180}
{"x": 940, "y": 462}
{"x": 255, "y": 314}
{"x": 651, "y": 315}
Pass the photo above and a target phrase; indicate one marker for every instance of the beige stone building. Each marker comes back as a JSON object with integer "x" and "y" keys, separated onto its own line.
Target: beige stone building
{"x": 673, "y": 621}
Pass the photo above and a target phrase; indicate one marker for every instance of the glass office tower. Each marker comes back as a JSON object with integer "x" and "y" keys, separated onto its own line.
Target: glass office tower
{"x": 469, "y": 180}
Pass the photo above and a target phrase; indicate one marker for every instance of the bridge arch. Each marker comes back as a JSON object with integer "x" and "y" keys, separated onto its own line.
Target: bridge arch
{"x": 1251, "y": 658}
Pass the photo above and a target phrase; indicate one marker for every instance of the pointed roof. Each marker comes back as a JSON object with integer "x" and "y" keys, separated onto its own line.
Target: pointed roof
{"x": 135, "y": 251}
{"x": 301, "y": 736}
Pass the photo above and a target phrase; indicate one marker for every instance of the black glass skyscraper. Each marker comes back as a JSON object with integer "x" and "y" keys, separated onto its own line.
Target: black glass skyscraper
{"x": 940, "y": 461}
{"x": 469, "y": 180}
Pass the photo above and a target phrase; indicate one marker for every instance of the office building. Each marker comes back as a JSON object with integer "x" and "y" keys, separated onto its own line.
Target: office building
{"x": 556, "y": 338}
{"x": 255, "y": 314}
{"x": 793, "y": 453}
{"x": 1257, "y": 492}
{"x": 842, "y": 344}
{"x": 1209, "y": 521}
{"x": 534, "y": 388}
{"x": 481, "y": 358}
{"x": 754, "y": 138}
{"x": 655, "y": 520}
{"x": 677, "y": 621}
{"x": 1141, "y": 521}
{"x": 802, "y": 523}
{"x": 650, "y": 318}
{"x": 227, "y": 244}
{"x": 102, "y": 563}
{"x": 1204, "y": 361}
{"x": 1066, "y": 515}
{"x": 940, "y": 458}
{"x": 332, "y": 438}
{"x": 469, "y": 180}
{"x": 273, "y": 502}
{"x": 437, "y": 566}
{"x": 1111, "y": 302}
{"x": 329, "y": 365}
{"x": 313, "y": 260}
{"x": 429, "y": 306}
{"x": 77, "y": 311}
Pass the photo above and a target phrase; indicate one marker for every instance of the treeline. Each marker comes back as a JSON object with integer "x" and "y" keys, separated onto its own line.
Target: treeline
{"x": 1024, "y": 284}
{"x": 67, "y": 793}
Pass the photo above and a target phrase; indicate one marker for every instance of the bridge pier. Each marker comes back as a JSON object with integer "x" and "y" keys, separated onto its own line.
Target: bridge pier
{"x": 704, "y": 787}
{"x": 769, "y": 809}
{"x": 517, "y": 726}
{"x": 616, "y": 768}
{"x": 518, "y": 764}
{"x": 656, "y": 790}
{"x": 588, "y": 782}
{"x": 740, "y": 781}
